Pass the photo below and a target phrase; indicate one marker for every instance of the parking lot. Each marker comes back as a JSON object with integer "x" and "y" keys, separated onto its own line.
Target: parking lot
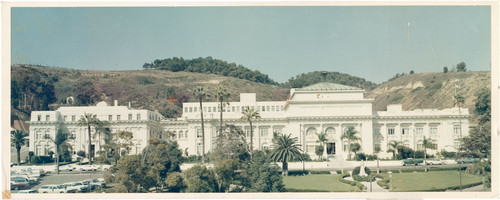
{"x": 64, "y": 177}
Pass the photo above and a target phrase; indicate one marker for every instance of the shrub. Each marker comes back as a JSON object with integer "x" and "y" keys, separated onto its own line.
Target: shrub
{"x": 320, "y": 172}
{"x": 339, "y": 171}
{"x": 81, "y": 153}
{"x": 360, "y": 156}
{"x": 356, "y": 170}
{"x": 41, "y": 159}
{"x": 349, "y": 182}
{"x": 447, "y": 154}
{"x": 298, "y": 173}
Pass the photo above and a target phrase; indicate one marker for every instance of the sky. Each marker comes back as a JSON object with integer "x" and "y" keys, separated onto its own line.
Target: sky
{"x": 372, "y": 42}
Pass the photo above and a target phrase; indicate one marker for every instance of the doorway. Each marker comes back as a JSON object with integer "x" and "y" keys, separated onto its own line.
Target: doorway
{"x": 330, "y": 148}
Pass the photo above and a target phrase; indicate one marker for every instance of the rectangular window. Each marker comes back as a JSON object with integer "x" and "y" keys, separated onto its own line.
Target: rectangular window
{"x": 39, "y": 118}
{"x": 129, "y": 116}
{"x": 247, "y": 132}
{"x": 267, "y": 108}
{"x": 118, "y": 117}
{"x": 390, "y": 131}
{"x": 433, "y": 130}
{"x": 38, "y": 135}
{"x": 420, "y": 130}
{"x": 456, "y": 130}
{"x": 110, "y": 117}
{"x": 457, "y": 143}
{"x": 237, "y": 109}
{"x": 47, "y": 117}
{"x": 38, "y": 150}
{"x": 65, "y": 117}
{"x": 209, "y": 109}
{"x": 263, "y": 108}
{"x": 278, "y": 130}
{"x": 199, "y": 149}
{"x": 199, "y": 133}
{"x": 420, "y": 147}
{"x": 73, "y": 118}
{"x": 138, "y": 116}
{"x": 273, "y": 108}
{"x": 185, "y": 109}
{"x": 405, "y": 130}
{"x": 190, "y": 109}
{"x": 233, "y": 109}
{"x": 263, "y": 132}
{"x": 258, "y": 108}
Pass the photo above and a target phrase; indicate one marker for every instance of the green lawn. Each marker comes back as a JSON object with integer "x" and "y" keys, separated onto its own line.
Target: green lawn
{"x": 420, "y": 181}
{"x": 317, "y": 183}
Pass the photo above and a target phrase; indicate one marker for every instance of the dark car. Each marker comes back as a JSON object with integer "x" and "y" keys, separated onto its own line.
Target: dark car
{"x": 17, "y": 183}
{"x": 412, "y": 162}
{"x": 466, "y": 160}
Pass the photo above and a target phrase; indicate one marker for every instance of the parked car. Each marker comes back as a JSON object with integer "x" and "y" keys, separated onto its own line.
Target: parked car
{"x": 31, "y": 179}
{"x": 52, "y": 189}
{"x": 466, "y": 160}
{"x": 410, "y": 161}
{"x": 67, "y": 168}
{"x": 77, "y": 186}
{"x": 88, "y": 168}
{"x": 17, "y": 183}
{"x": 28, "y": 191}
{"x": 89, "y": 184}
{"x": 435, "y": 162}
{"x": 99, "y": 184}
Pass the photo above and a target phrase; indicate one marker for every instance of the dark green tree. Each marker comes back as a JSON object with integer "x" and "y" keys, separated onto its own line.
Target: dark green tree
{"x": 222, "y": 97}
{"x": 461, "y": 67}
{"x": 350, "y": 135}
{"x": 445, "y": 69}
{"x": 199, "y": 93}
{"x": 393, "y": 148}
{"x": 88, "y": 120}
{"x": 261, "y": 175}
{"x": 200, "y": 179}
{"x": 285, "y": 149}
{"x": 175, "y": 182}
{"x": 60, "y": 143}
{"x": 19, "y": 139}
{"x": 250, "y": 114}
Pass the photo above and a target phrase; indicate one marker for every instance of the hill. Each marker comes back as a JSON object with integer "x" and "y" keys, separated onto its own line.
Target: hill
{"x": 306, "y": 79}
{"x": 160, "y": 90}
{"x": 430, "y": 90}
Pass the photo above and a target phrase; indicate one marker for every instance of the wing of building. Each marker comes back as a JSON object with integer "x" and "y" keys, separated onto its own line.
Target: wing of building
{"x": 321, "y": 108}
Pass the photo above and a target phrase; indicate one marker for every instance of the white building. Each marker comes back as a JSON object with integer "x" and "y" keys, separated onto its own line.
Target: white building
{"x": 324, "y": 107}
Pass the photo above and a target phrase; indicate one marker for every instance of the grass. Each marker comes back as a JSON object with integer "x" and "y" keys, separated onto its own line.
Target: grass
{"x": 317, "y": 183}
{"x": 430, "y": 181}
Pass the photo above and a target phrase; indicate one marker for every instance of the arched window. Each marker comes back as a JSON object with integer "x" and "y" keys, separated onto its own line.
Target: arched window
{"x": 311, "y": 131}
{"x": 330, "y": 131}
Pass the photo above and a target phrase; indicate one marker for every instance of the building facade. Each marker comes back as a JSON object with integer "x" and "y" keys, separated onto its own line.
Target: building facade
{"x": 321, "y": 108}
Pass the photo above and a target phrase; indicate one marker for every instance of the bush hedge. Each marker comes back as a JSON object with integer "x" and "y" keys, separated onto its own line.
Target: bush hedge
{"x": 353, "y": 183}
{"x": 298, "y": 173}
{"x": 41, "y": 159}
{"x": 319, "y": 172}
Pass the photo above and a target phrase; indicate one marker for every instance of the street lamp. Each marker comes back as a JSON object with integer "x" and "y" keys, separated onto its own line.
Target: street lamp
{"x": 390, "y": 180}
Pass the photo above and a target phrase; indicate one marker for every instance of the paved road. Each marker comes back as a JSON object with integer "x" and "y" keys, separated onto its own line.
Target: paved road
{"x": 65, "y": 177}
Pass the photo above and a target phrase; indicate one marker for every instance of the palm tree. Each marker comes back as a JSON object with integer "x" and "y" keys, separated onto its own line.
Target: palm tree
{"x": 285, "y": 149}
{"x": 18, "y": 137}
{"x": 88, "y": 120}
{"x": 222, "y": 96}
{"x": 427, "y": 144}
{"x": 102, "y": 128}
{"x": 322, "y": 139}
{"x": 393, "y": 147}
{"x": 350, "y": 135}
{"x": 249, "y": 114}
{"x": 200, "y": 94}
{"x": 59, "y": 141}
{"x": 458, "y": 100}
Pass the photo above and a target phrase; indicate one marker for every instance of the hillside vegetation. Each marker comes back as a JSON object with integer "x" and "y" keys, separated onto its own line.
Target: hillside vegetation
{"x": 210, "y": 66}
{"x": 430, "y": 90}
{"x": 306, "y": 79}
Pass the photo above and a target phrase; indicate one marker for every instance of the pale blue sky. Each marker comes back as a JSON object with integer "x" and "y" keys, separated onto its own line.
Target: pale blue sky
{"x": 369, "y": 42}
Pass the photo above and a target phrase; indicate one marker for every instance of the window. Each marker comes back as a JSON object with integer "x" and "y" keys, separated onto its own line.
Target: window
{"x": 118, "y": 117}
{"x": 456, "y": 143}
{"x": 247, "y": 132}
{"x": 420, "y": 146}
{"x": 267, "y": 108}
{"x": 273, "y": 108}
{"x": 311, "y": 131}
{"x": 209, "y": 109}
{"x": 263, "y": 108}
{"x": 199, "y": 133}
{"x": 376, "y": 147}
{"x": 433, "y": 130}
{"x": 263, "y": 132}
{"x": 38, "y": 135}
{"x": 65, "y": 117}
{"x": 190, "y": 109}
{"x": 181, "y": 134}
{"x": 38, "y": 150}
{"x": 420, "y": 130}
{"x": 456, "y": 130}
{"x": 406, "y": 143}
{"x": 278, "y": 130}
{"x": 330, "y": 131}
{"x": 185, "y": 109}
{"x": 185, "y": 134}
{"x": 73, "y": 118}
{"x": 199, "y": 148}
{"x": 47, "y": 117}
{"x": 237, "y": 109}
{"x": 39, "y": 118}
{"x": 390, "y": 131}
{"x": 73, "y": 135}
{"x": 110, "y": 117}
{"x": 233, "y": 109}
{"x": 214, "y": 109}
{"x": 47, "y": 134}
{"x": 129, "y": 116}
{"x": 405, "y": 130}
{"x": 138, "y": 116}
{"x": 204, "y": 109}
{"x": 258, "y": 108}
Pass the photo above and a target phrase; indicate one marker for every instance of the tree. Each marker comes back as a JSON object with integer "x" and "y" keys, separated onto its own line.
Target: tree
{"x": 89, "y": 120}
{"x": 119, "y": 144}
{"x": 445, "y": 69}
{"x": 355, "y": 147}
{"x": 200, "y": 94}
{"x": 393, "y": 147}
{"x": 161, "y": 159}
{"x": 350, "y": 135}
{"x": 250, "y": 114}
{"x": 222, "y": 96}
{"x": 200, "y": 179}
{"x": 426, "y": 143}
{"x": 18, "y": 138}
{"x": 60, "y": 142}
{"x": 285, "y": 149}
{"x": 412, "y": 72}
{"x": 321, "y": 148}
{"x": 102, "y": 128}
{"x": 261, "y": 175}
{"x": 461, "y": 67}
{"x": 175, "y": 182}
{"x": 483, "y": 105}
{"x": 130, "y": 173}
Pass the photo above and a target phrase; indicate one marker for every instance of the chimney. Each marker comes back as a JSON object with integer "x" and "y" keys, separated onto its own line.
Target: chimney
{"x": 116, "y": 102}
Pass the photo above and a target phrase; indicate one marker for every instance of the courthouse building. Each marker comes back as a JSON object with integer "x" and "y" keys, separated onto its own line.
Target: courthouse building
{"x": 321, "y": 108}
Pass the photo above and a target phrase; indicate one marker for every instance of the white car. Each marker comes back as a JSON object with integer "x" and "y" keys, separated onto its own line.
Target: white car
{"x": 67, "y": 168}
{"x": 77, "y": 186}
{"x": 52, "y": 189}
{"x": 88, "y": 168}
{"x": 435, "y": 162}
{"x": 96, "y": 182}
{"x": 31, "y": 179}
{"x": 28, "y": 191}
